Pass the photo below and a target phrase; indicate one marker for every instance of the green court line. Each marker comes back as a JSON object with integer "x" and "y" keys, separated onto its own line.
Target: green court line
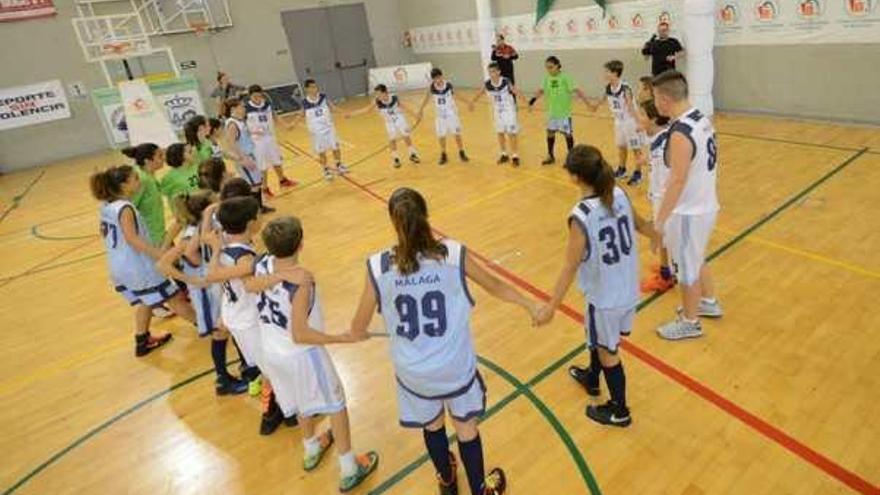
{"x": 17, "y": 199}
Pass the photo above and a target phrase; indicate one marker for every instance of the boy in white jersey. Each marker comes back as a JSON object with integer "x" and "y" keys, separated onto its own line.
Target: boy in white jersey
{"x": 689, "y": 205}
{"x": 317, "y": 109}
{"x": 603, "y": 253}
{"x": 419, "y": 286}
{"x": 502, "y": 92}
{"x": 261, "y": 121}
{"x": 391, "y": 109}
{"x": 619, "y": 96}
{"x": 657, "y": 127}
{"x": 301, "y": 370}
{"x": 446, "y": 119}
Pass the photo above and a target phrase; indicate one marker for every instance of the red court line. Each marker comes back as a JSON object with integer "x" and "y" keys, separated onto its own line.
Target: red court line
{"x": 773, "y": 433}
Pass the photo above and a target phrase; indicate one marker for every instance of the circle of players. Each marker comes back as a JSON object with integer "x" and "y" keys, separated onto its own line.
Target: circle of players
{"x": 205, "y": 267}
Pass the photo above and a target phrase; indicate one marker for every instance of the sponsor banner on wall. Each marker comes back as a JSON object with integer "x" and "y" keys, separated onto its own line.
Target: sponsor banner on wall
{"x": 630, "y": 24}
{"x": 33, "y": 104}
{"x": 16, "y": 10}
{"x": 179, "y": 98}
{"x": 402, "y": 77}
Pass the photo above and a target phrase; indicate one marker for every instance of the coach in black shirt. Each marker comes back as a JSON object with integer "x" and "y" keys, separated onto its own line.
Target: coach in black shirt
{"x": 504, "y": 55}
{"x": 662, "y": 49}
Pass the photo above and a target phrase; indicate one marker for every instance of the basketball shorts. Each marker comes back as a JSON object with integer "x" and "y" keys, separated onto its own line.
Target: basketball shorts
{"x": 206, "y": 304}
{"x": 250, "y": 341}
{"x": 687, "y": 237}
{"x": 305, "y": 381}
{"x": 151, "y": 296}
{"x": 418, "y": 411}
{"x": 267, "y": 153}
{"x": 505, "y": 122}
{"x": 560, "y": 125}
{"x": 397, "y": 127}
{"x": 447, "y": 124}
{"x": 605, "y": 326}
{"x": 253, "y": 176}
{"x": 627, "y": 135}
{"x": 324, "y": 141}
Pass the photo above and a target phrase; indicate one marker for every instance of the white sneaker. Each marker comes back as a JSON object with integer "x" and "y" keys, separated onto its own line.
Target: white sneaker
{"x": 706, "y": 309}
{"x": 679, "y": 329}
{"x": 341, "y": 169}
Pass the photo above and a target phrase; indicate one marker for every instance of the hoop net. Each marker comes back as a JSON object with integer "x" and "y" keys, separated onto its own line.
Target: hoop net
{"x": 116, "y": 48}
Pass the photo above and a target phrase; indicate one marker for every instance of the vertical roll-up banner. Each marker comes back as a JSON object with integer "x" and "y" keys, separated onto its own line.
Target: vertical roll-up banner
{"x": 147, "y": 121}
{"x": 699, "y": 42}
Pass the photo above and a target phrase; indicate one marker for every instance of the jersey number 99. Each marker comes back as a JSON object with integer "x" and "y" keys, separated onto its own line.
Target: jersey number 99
{"x": 431, "y": 320}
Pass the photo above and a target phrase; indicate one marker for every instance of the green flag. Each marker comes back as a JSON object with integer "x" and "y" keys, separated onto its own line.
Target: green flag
{"x": 544, "y": 6}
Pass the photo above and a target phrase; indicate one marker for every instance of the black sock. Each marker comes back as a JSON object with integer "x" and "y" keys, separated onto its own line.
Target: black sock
{"x": 438, "y": 448}
{"x": 595, "y": 365}
{"x": 665, "y": 272}
{"x": 616, "y": 381}
{"x": 551, "y": 143}
{"x": 569, "y": 141}
{"x": 472, "y": 458}
{"x": 258, "y": 195}
{"x": 218, "y": 355}
{"x": 250, "y": 373}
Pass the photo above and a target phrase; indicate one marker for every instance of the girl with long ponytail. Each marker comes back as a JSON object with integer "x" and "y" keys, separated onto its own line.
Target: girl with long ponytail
{"x": 603, "y": 254}
{"x": 149, "y": 158}
{"x": 419, "y": 285}
{"x": 131, "y": 256}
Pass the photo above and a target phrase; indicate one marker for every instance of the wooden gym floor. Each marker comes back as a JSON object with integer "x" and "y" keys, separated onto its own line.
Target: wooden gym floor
{"x": 780, "y": 396}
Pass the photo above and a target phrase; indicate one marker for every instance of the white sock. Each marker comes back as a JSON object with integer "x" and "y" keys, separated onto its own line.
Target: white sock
{"x": 412, "y": 150}
{"x": 394, "y": 155}
{"x": 347, "y": 464}
{"x": 515, "y": 155}
{"x": 692, "y": 322}
{"x": 503, "y": 152}
{"x": 312, "y": 446}
{"x": 709, "y": 300}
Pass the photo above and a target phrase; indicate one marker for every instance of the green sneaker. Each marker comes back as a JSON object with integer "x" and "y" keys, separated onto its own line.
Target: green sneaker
{"x": 255, "y": 387}
{"x": 366, "y": 464}
{"x": 325, "y": 441}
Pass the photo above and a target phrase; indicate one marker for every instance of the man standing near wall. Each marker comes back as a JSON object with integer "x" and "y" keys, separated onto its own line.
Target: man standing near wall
{"x": 662, "y": 49}
{"x": 504, "y": 55}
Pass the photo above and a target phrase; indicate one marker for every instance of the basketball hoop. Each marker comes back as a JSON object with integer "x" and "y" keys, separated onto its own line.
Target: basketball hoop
{"x": 199, "y": 28}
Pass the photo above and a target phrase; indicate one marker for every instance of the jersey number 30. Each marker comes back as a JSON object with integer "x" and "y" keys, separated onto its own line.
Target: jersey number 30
{"x": 433, "y": 312}
{"x": 617, "y": 239}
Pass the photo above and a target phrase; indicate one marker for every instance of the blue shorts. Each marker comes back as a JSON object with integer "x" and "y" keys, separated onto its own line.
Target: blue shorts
{"x": 417, "y": 411}
{"x": 560, "y": 125}
{"x": 151, "y": 296}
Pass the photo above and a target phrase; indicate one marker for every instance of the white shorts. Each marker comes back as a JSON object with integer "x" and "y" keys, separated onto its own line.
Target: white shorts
{"x": 605, "y": 326}
{"x": 506, "y": 123}
{"x": 560, "y": 125}
{"x": 206, "y": 304}
{"x": 254, "y": 177}
{"x": 397, "y": 127}
{"x": 687, "y": 237}
{"x": 447, "y": 124}
{"x": 304, "y": 382}
{"x": 417, "y": 411}
{"x": 250, "y": 341}
{"x": 627, "y": 135}
{"x": 324, "y": 141}
{"x": 267, "y": 153}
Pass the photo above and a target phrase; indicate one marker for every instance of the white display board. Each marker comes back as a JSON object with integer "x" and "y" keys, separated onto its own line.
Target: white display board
{"x": 32, "y": 104}
{"x": 402, "y": 77}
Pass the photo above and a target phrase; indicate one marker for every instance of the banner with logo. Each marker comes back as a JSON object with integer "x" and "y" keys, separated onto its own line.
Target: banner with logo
{"x": 16, "y": 10}
{"x": 402, "y": 77}
{"x": 33, "y": 104}
{"x": 179, "y": 98}
{"x": 630, "y": 24}
{"x": 145, "y": 118}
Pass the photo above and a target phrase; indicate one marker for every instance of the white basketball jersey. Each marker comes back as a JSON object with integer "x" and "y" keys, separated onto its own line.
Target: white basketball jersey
{"x": 128, "y": 267}
{"x": 617, "y": 101}
{"x": 444, "y": 100}
{"x": 189, "y": 268}
{"x": 275, "y": 306}
{"x": 260, "y": 119}
{"x": 659, "y": 171}
{"x": 609, "y": 272}
{"x": 699, "y": 195}
{"x": 244, "y": 141}
{"x": 502, "y": 96}
{"x": 389, "y": 110}
{"x": 318, "y": 118}
{"x": 427, "y": 316}
{"x": 239, "y": 308}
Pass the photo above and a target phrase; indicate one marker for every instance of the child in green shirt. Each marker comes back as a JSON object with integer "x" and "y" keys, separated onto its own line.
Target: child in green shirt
{"x": 184, "y": 174}
{"x": 147, "y": 199}
{"x": 196, "y": 131}
{"x": 557, "y": 89}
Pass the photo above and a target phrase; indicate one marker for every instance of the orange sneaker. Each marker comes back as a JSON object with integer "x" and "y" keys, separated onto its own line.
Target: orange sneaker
{"x": 656, "y": 283}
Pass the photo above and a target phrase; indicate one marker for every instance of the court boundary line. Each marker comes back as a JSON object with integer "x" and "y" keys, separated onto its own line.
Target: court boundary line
{"x": 18, "y": 198}
{"x": 769, "y": 431}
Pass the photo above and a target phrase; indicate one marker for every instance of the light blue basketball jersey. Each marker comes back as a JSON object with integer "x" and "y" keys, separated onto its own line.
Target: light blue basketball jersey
{"x": 609, "y": 272}
{"x": 276, "y": 308}
{"x": 129, "y": 267}
{"x": 427, "y": 316}
{"x": 245, "y": 141}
